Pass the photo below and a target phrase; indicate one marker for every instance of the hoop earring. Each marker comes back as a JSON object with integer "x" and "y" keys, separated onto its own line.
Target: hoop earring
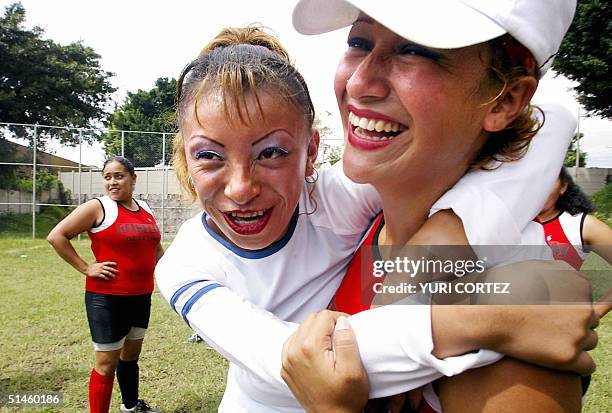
{"x": 312, "y": 178}
{"x": 190, "y": 182}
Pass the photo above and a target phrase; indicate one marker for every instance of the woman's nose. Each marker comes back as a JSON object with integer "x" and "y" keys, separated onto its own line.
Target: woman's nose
{"x": 368, "y": 80}
{"x": 242, "y": 186}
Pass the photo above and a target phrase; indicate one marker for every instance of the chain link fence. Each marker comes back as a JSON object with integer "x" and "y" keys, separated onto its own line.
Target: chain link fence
{"x": 46, "y": 171}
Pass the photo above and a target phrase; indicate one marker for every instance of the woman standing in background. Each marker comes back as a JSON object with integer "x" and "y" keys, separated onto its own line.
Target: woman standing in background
{"x": 125, "y": 241}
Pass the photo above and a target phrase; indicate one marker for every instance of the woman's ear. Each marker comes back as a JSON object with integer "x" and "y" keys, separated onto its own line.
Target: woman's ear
{"x": 511, "y": 102}
{"x": 312, "y": 152}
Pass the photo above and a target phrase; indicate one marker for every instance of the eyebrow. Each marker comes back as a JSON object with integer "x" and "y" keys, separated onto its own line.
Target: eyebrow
{"x": 207, "y": 138}
{"x": 223, "y": 146}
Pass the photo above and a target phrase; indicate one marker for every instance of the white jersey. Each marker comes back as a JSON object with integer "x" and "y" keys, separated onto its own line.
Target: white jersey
{"x": 245, "y": 303}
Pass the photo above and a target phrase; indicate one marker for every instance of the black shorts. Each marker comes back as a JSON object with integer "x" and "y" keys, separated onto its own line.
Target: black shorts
{"x": 111, "y": 317}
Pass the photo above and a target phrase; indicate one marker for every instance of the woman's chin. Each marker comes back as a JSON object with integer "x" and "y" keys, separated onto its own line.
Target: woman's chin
{"x": 357, "y": 172}
{"x": 252, "y": 244}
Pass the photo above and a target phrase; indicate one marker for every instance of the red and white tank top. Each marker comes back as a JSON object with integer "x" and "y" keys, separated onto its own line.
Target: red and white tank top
{"x": 129, "y": 238}
{"x": 356, "y": 292}
{"x": 564, "y": 236}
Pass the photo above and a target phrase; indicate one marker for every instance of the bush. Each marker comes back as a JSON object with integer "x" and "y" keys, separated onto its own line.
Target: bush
{"x": 20, "y": 225}
{"x": 45, "y": 180}
{"x": 602, "y": 200}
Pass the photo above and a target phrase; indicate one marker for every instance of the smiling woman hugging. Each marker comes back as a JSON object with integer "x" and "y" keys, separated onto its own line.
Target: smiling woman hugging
{"x": 272, "y": 245}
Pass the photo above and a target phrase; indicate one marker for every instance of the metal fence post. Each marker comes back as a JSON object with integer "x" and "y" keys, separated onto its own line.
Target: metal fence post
{"x": 80, "y": 172}
{"x": 35, "y": 142}
{"x": 163, "y": 186}
{"x": 80, "y": 169}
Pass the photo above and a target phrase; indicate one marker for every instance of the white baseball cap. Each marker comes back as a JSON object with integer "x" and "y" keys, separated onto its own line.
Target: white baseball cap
{"x": 539, "y": 25}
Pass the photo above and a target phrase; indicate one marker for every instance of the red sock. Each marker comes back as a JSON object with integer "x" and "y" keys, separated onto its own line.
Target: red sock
{"x": 100, "y": 391}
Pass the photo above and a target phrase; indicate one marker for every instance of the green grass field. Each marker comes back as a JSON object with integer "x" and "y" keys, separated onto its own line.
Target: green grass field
{"x": 45, "y": 344}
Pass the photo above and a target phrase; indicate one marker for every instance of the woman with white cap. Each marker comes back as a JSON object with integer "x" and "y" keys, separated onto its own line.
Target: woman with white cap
{"x": 457, "y": 77}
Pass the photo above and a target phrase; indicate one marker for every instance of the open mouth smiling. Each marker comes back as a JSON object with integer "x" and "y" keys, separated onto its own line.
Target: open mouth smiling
{"x": 247, "y": 222}
{"x": 371, "y": 131}
{"x": 375, "y": 129}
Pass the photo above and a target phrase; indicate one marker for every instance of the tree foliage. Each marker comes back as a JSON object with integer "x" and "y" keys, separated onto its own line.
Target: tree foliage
{"x": 570, "y": 157}
{"x": 330, "y": 148}
{"x": 46, "y": 83}
{"x": 150, "y": 111}
{"x": 602, "y": 200}
{"x": 586, "y": 55}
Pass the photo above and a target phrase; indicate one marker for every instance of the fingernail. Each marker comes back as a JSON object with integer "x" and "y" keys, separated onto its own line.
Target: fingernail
{"x": 342, "y": 324}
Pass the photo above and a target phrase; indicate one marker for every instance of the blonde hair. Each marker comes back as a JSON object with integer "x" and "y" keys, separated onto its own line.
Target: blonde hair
{"x": 238, "y": 62}
{"x": 511, "y": 143}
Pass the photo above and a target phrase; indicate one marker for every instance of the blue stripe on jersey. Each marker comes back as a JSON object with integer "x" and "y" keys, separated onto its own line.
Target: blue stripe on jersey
{"x": 180, "y": 291}
{"x": 255, "y": 254}
{"x": 192, "y": 300}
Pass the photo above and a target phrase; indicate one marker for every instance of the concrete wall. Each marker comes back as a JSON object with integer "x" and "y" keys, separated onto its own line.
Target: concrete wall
{"x": 148, "y": 181}
{"x": 591, "y": 180}
{"x": 21, "y": 202}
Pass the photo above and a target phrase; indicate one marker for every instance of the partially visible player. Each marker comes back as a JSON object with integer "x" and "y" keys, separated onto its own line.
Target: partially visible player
{"x": 572, "y": 231}
{"x": 125, "y": 241}
{"x": 570, "y": 228}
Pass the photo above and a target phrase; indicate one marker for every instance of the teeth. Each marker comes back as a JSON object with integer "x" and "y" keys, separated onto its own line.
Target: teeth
{"x": 391, "y": 127}
{"x": 247, "y": 214}
{"x": 373, "y": 138}
{"x": 374, "y": 125}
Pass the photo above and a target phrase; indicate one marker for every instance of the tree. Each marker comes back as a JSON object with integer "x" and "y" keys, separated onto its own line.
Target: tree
{"x": 331, "y": 147}
{"x": 43, "y": 82}
{"x": 586, "y": 55}
{"x": 570, "y": 157}
{"x": 150, "y": 111}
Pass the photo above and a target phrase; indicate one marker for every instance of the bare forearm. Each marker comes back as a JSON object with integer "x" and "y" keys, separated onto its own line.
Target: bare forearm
{"x": 64, "y": 249}
{"x": 511, "y": 385}
{"x": 458, "y": 329}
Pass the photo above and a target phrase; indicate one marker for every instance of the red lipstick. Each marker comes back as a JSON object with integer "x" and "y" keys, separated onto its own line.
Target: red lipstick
{"x": 369, "y": 142}
{"x": 370, "y": 114}
{"x": 250, "y": 227}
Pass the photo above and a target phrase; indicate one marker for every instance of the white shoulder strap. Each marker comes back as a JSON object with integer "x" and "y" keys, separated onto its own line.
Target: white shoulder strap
{"x": 144, "y": 205}
{"x": 110, "y": 213}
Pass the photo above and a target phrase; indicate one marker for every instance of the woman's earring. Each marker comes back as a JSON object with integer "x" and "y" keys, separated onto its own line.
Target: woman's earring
{"x": 312, "y": 178}
{"x": 190, "y": 182}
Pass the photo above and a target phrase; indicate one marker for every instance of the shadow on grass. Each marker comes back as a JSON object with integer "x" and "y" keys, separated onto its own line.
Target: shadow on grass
{"x": 48, "y": 380}
{"x": 193, "y": 403}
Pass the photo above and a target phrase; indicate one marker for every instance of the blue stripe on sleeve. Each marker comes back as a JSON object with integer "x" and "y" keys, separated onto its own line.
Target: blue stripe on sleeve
{"x": 192, "y": 300}
{"x": 180, "y": 291}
